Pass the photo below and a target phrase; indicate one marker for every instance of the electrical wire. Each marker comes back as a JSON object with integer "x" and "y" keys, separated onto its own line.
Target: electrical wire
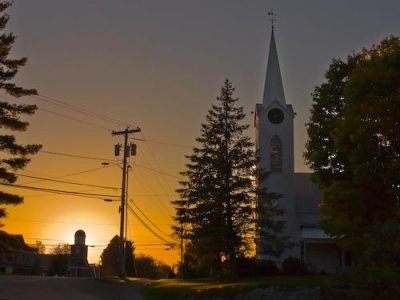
{"x": 72, "y": 174}
{"x": 78, "y": 194}
{"x": 142, "y": 180}
{"x": 80, "y": 110}
{"x": 106, "y": 160}
{"x": 148, "y": 219}
{"x": 77, "y": 156}
{"x": 162, "y": 143}
{"x": 147, "y": 226}
{"x": 74, "y": 119}
{"x": 156, "y": 171}
{"x": 168, "y": 208}
{"x": 69, "y": 182}
{"x": 52, "y": 222}
{"x": 73, "y": 108}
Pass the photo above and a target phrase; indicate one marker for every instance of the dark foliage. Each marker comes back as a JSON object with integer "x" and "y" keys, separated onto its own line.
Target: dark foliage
{"x": 270, "y": 225}
{"x": 250, "y": 267}
{"x": 354, "y": 151}
{"x": 59, "y": 265}
{"x": 61, "y": 248}
{"x": 14, "y": 155}
{"x": 218, "y": 195}
{"x": 293, "y": 266}
{"x": 110, "y": 258}
{"x": 148, "y": 267}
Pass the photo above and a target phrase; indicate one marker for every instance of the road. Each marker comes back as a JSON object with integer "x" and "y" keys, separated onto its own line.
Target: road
{"x": 62, "y": 288}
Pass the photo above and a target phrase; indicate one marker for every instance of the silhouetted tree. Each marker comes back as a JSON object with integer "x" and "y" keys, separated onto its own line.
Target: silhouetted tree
{"x": 354, "y": 150}
{"x": 40, "y": 248}
{"x": 61, "y": 248}
{"x": 59, "y": 262}
{"x": 218, "y": 195}
{"x": 15, "y": 156}
{"x": 148, "y": 267}
{"x": 110, "y": 258}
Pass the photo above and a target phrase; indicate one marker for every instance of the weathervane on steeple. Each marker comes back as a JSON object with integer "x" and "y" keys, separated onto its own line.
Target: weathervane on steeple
{"x": 272, "y": 17}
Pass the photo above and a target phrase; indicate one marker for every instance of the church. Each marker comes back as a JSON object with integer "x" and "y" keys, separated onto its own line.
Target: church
{"x": 300, "y": 197}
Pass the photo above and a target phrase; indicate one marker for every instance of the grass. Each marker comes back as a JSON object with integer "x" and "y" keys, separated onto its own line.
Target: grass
{"x": 166, "y": 289}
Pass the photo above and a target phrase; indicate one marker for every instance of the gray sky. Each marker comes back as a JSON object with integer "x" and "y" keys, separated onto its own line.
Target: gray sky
{"x": 160, "y": 64}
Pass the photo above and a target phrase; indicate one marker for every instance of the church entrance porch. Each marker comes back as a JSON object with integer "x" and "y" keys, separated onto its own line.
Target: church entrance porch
{"x": 320, "y": 253}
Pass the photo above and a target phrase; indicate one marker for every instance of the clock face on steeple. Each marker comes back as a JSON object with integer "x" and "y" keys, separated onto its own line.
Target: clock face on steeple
{"x": 275, "y": 116}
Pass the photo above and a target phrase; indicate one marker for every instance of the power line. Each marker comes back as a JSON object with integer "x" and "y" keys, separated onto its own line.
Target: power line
{"x": 52, "y": 222}
{"x": 93, "y": 243}
{"x": 142, "y": 180}
{"x": 77, "y": 156}
{"x": 81, "y": 110}
{"x": 46, "y": 239}
{"x": 72, "y": 174}
{"x": 62, "y": 115}
{"x": 107, "y": 160}
{"x": 160, "y": 172}
{"x": 147, "y": 226}
{"x": 74, "y": 119}
{"x": 69, "y": 182}
{"x": 78, "y": 194}
{"x": 162, "y": 143}
{"x": 157, "y": 171}
{"x": 147, "y": 187}
{"x": 148, "y": 219}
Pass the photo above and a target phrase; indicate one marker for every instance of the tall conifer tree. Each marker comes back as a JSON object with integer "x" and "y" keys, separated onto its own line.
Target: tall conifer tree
{"x": 217, "y": 206}
{"x": 15, "y": 156}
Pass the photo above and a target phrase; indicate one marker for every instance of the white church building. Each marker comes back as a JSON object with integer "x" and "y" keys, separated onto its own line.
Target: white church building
{"x": 300, "y": 197}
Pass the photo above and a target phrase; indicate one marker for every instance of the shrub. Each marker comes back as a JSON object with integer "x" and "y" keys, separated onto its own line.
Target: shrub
{"x": 249, "y": 267}
{"x": 267, "y": 268}
{"x": 293, "y": 266}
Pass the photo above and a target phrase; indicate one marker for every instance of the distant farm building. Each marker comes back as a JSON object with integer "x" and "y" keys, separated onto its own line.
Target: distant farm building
{"x": 16, "y": 257}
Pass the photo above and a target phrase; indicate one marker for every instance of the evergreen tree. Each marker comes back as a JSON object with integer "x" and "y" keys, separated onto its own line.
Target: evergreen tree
{"x": 217, "y": 206}
{"x": 15, "y": 155}
{"x": 270, "y": 225}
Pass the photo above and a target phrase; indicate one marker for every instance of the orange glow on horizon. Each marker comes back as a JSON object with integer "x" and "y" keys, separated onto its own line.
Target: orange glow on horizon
{"x": 54, "y": 218}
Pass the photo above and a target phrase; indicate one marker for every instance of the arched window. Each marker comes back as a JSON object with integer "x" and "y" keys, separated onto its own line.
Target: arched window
{"x": 276, "y": 154}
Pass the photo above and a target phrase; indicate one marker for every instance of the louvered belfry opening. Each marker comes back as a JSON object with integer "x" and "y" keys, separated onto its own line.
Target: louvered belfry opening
{"x": 276, "y": 154}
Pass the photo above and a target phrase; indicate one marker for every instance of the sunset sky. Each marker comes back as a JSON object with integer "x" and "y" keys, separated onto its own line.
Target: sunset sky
{"x": 156, "y": 64}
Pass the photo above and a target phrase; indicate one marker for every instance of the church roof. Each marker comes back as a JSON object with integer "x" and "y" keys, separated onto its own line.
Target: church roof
{"x": 314, "y": 234}
{"x": 273, "y": 88}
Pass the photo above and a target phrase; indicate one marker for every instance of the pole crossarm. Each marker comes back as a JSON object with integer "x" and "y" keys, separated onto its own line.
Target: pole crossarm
{"x": 126, "y": 131}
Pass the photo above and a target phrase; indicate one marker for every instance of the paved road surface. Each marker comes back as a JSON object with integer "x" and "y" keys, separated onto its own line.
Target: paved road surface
{"x": 60, "y": 288}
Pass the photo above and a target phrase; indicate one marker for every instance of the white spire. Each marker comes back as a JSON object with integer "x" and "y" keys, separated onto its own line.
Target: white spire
{"x": 273, "y": 88}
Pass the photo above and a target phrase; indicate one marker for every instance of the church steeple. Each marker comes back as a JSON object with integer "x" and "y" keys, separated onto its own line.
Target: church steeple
{"x": 273, "y": 88}
{"x": 275, "y": 145}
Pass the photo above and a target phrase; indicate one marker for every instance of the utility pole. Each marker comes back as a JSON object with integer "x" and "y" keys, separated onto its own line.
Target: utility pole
{"x": 126, "y": 152}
